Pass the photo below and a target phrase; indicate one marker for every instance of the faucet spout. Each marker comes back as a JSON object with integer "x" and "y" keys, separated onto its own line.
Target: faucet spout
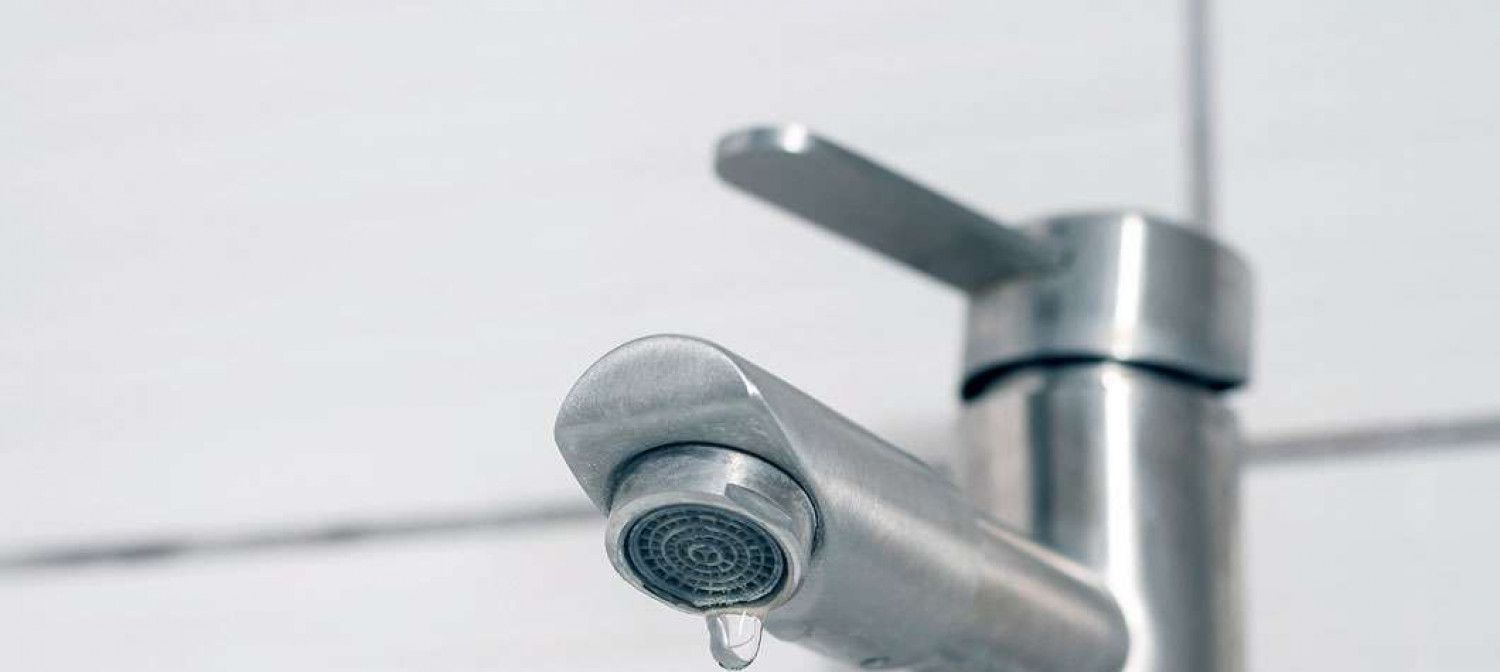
{"x": 731, "y": 492}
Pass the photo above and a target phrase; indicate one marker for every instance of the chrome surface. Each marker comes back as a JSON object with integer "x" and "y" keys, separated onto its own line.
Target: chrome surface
{"x": 843, "y": 192}
{"x": 1097, "y": 352}
{"x": 902, "y": 573}
{"x": 1094, "y": 380}
{"x": 1135, "y": 475}
{"x": 1134, "y": 288}
{"x": 1119, "y": 286}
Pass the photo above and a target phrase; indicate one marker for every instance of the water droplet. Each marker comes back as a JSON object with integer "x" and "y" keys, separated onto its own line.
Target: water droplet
{"x": 734, "y": 639}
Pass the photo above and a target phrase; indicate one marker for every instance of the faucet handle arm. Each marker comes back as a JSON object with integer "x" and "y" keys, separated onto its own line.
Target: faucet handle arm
{"x": 839, "y": 190}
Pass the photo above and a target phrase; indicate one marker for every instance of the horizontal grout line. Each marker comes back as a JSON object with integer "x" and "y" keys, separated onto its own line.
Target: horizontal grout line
{"x": 1469, "y": 432}
{"x": 1370, "y": 441}
{"x": 336, "y": 533}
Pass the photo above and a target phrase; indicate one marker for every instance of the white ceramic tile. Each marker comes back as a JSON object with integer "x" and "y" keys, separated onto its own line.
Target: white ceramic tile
{"x": 1375, "y": 565}
{"x": 1359, "y": 157}
{"x": 280, "y": 262}
{"x": 1358, "y": 148}
{"x": 545, "y": 602}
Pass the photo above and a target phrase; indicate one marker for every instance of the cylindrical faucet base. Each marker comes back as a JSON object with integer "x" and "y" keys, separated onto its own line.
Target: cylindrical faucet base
{"x": 1135, "y": 475}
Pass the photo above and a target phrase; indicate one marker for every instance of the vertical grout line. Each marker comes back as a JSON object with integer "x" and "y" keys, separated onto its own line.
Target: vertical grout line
{"x": 1198, "y": 70}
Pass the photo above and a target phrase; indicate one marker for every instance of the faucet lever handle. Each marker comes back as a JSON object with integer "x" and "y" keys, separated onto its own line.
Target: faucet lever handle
{"x": 839, "y": 190}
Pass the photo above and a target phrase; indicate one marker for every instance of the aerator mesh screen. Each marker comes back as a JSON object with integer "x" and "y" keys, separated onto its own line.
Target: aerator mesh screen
{"x": 704, "y": 557}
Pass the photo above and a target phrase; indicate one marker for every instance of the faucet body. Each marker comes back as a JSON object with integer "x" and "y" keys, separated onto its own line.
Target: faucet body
{"x": 1097, "y": 525}
{"x": 1095, "y": 421}
{"x": 901, "y": 571}
{"x": 1134, "y": 475}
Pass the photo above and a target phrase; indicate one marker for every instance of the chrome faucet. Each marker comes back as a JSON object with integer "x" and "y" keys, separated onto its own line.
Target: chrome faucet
{"x": 1097, "y": 523}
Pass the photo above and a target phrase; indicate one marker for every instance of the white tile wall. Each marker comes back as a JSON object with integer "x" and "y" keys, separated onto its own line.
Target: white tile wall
{"x": 1372, "y": 565}
{"x": 458, "y": 604}
{"x": 1380, "y": 565}
{"x": 1359, "y": 155}
{"x": 280, "y": 263}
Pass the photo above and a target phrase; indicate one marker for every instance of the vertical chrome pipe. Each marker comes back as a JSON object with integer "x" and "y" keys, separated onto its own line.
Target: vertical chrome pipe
{"x": 1096, "y": 422}
{"x": 1135, "y": 475}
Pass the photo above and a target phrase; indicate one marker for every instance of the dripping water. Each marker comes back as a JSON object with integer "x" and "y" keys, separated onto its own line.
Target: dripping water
{"x": 734, "y": 638}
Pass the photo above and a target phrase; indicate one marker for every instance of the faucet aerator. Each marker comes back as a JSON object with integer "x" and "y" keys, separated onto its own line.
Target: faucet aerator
{"x": 704, "y": 529}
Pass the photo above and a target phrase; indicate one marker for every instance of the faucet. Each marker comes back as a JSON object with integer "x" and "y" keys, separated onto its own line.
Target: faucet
{"x": 1094, "y": 526}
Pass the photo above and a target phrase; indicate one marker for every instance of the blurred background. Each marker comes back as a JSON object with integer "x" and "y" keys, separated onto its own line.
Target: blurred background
{"x": 291, "y": 292}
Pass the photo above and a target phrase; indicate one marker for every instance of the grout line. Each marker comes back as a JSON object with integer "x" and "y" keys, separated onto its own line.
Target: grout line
{"x": 1375, "y": 441}
{"x": 1198, "y": 76}
{"x": 335, "y": 533}
{"x": 1294, "y": 449}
